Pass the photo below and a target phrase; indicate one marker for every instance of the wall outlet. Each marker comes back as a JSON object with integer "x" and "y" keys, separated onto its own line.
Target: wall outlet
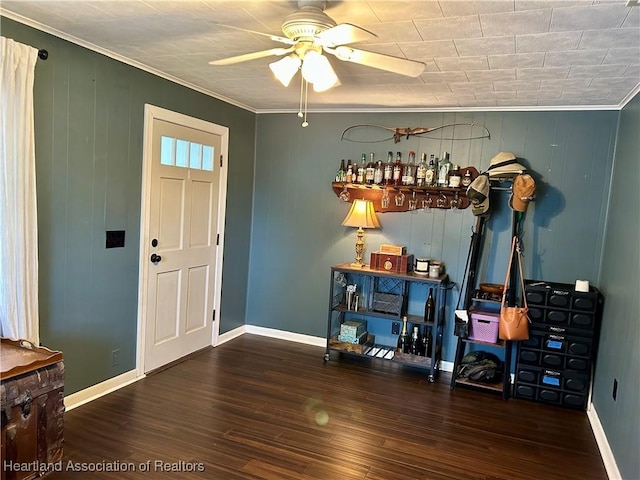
{"x": 395, "y": 328}
{"x": 614, "y": 394}
{"x": 115, "y": 357}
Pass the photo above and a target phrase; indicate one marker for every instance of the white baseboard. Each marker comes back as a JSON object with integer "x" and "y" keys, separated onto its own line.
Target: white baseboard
{"x": 112, "y": 384}
{"x": 96, "y": 391}
{"x": 230, "y": 335}
{"x": 284, "y": 335}
{"x": 606, "y": 453}
{"x": 446, "y": 366}
{"x": 310, "y": 340}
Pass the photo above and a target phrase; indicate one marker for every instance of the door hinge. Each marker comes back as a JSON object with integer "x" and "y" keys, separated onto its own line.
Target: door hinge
{"x": 218, "y": 239}
{"x": 220, "y": 161}
{"x": 213, "y": 317}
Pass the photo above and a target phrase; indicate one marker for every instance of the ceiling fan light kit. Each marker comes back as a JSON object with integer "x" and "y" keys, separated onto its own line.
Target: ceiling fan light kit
{"x": 310, "y": 32}
{"x": 317, "y": 70}
{"x": 285, "y": 68}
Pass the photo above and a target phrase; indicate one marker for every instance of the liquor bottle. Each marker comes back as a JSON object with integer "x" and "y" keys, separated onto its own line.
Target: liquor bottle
{"x": 431, "y": 176}
{"x": 371, "y": 169}
{"x": 443, "y": 171}
{"x": 454, "y": 176}
{"x": 361, "y": 169}
{"x": 378, "y": 174}
{"x": 388, "y": 169}
{"x": 403, "y": 338}
{"x": 397, "y": 169}
{"x": 466, "y": 179}
{"x": 341, "y": 173}
{"x": 409, "y": 172}
{"x": 415, "y": 346}
{"x": 349, "y": 171}
{"x": 430, "y": 308}
{"x": 421, "y": 172}
{"x": 426, "y": 341}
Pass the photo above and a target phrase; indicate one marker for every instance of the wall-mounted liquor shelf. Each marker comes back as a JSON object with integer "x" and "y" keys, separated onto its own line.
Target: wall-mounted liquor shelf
{"x": 403, "y": 198}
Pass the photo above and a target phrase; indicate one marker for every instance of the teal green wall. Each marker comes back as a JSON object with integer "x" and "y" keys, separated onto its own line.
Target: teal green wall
{"x": 619, "y": 353}
{"x": 89, "y": 125}
{"x": 89, "y": 119}
{"x": 297, "y": 232}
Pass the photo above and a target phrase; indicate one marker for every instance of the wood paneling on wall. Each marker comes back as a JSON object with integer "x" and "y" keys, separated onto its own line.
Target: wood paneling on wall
{"x": 283, "y": 216}
{"x": 297, "y": 230}
{"x": 619, "y": 353}
{"x": 89, "y": 119}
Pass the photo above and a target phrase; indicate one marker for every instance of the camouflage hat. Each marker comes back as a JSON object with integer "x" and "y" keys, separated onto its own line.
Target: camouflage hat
{"x": 478, "y": 194}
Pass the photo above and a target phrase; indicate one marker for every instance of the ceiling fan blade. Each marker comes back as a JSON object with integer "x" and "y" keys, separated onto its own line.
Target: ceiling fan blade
{"x": 403, "y": 66}
{"x": 251, "y": 56}
{"x": 275, "y": 38}
{"x": 343, "y": 34}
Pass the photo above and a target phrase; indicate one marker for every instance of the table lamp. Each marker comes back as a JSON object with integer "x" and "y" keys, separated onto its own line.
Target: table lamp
{"x": 361, "y": 215}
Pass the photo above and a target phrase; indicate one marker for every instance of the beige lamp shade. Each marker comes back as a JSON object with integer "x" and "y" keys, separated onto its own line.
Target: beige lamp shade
{"x": 361, "y": 215}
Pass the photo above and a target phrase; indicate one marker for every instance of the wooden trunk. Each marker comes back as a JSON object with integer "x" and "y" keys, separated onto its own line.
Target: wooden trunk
{"x": 32, "y": 409}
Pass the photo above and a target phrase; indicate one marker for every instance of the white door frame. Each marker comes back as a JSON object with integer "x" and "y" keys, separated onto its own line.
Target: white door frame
{"x": 151, "y": 113}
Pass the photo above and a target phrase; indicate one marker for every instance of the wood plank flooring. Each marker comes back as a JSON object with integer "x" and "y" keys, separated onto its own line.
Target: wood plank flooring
{"x": 261, "y": 408}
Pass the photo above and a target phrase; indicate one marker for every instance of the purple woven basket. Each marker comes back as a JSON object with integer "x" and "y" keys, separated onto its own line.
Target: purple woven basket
{"x": 484, "y": 327}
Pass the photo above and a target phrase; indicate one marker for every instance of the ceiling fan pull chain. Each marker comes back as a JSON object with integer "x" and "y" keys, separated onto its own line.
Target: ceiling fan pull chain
{"x": 301, "y": 95}
{"x": 306, "y": 96}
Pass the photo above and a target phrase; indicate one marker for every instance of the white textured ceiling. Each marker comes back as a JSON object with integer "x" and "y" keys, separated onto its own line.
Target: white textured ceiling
{"x": 479, "y": 54}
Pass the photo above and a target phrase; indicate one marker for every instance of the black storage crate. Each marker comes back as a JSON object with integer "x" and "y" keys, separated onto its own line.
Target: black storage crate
{"x": 389, "y": 295}
{"x": 552, "y": 386}
{"x": 555, "y": 364}
{"x": 387, "y": 303}
{"x": 561, "y": 295}
{"x": 551, "y": 360}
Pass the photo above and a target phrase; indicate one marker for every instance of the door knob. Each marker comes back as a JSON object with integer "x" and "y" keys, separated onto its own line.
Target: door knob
{"x": 155, "y": 258}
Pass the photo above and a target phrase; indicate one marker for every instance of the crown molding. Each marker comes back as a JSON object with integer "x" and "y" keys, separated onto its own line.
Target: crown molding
{"x": 120, "y": 58}
{"x": 630, "y": 96}
{"x": 115, "y": 56}
{"x": 559, "y": 108}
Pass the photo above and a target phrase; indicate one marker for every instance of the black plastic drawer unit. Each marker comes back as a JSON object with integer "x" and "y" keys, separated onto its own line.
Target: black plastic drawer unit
{"x": 552, "y": 386}
{"x": 555, "y": 364}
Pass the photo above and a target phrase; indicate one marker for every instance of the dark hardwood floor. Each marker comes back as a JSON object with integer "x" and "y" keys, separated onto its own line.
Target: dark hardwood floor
{"x": 261, "y": 408}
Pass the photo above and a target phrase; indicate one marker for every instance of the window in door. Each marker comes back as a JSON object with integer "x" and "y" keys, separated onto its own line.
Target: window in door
{"x": 183, "y": 153}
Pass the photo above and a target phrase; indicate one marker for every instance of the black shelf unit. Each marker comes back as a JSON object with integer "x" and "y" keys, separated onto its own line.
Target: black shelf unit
{"x": 465, "y": 345}
{"x": 397, "y": 286}
{"x": 556, "y": 364}
{"x": 473, "y": 301}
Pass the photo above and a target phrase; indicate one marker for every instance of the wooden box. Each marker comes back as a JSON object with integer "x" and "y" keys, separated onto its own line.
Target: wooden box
{"x": 31, "y": 392}
{"x": 393, "y": 249}
{"x": 335, "y": 344}
{"x": 391, "y": 263}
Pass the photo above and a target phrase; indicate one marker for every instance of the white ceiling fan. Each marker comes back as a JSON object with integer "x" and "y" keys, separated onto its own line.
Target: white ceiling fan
{"x": 308, "y": 33}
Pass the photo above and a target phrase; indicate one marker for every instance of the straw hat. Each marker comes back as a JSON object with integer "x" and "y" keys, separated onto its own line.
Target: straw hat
{"x": 505, "y": 164}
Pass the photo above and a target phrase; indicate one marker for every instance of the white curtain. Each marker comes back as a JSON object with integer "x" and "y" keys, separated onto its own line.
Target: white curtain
{"x": 18, "y": 217}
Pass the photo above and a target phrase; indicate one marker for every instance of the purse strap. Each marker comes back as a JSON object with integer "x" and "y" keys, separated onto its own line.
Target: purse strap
{"x": 515, "y": 247}
{"x": 524, "y": 297}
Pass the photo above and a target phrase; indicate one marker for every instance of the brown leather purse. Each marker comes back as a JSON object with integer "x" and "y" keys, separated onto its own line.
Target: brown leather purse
{"x": 514, "y": 321}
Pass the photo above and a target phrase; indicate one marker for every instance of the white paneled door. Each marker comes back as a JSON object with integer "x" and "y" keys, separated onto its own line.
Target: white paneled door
{"x": 180, "y": 265}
